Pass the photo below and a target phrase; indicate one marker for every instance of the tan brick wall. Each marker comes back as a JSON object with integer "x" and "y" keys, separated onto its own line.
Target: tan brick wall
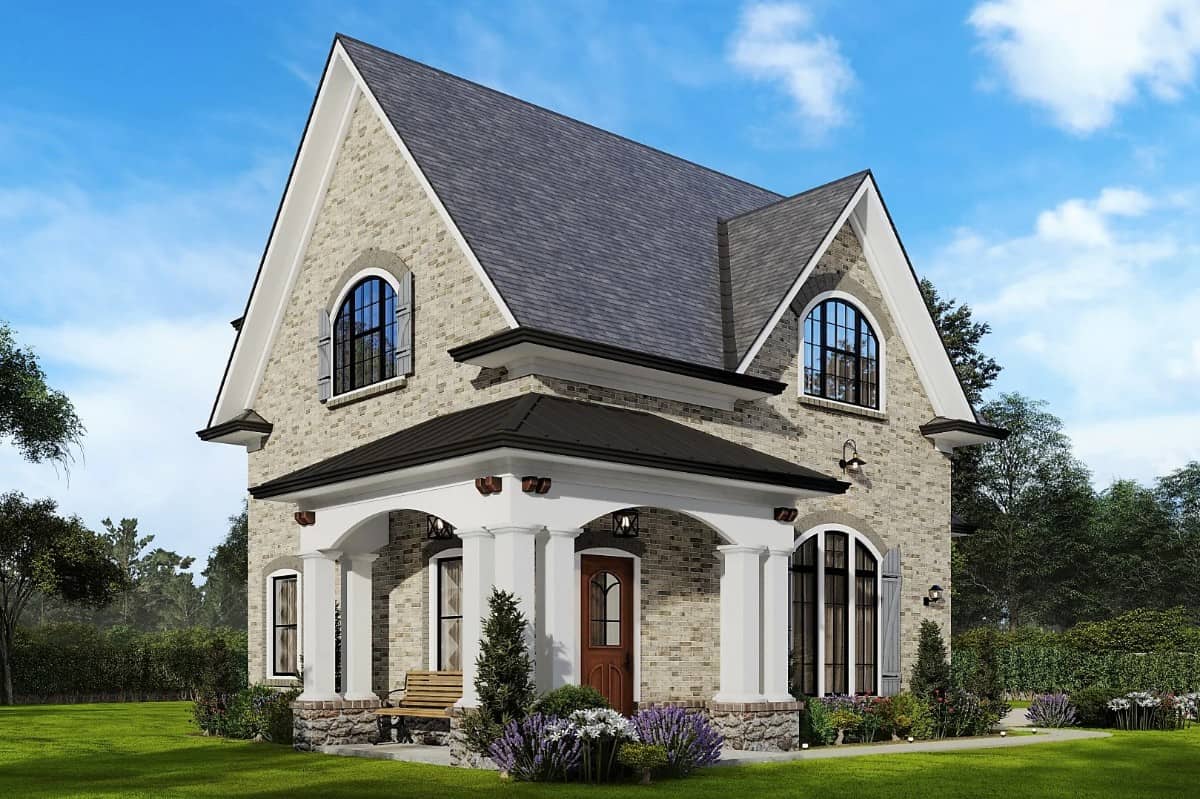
{"x": 375, "y": 204}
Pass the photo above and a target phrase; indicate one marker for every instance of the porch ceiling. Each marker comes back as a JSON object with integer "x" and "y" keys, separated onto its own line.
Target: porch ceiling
{"x": 554, "y": 425}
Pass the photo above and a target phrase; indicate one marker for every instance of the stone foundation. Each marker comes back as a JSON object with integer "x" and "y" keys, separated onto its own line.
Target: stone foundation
{"x": 317, "y": 724}
{"x": 460, "y": 755}
{"x": 430, "y": 732}
{"x": 758, "y": 726}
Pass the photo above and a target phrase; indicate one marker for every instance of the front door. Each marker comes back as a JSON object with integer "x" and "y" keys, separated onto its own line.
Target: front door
{"x": 607, "y": 628}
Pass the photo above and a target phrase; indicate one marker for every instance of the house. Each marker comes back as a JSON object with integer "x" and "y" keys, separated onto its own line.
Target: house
{"x": 700, "y": 429}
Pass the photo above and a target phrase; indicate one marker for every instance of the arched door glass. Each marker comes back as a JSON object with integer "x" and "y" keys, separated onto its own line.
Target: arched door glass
{"x": 605, "y": 592}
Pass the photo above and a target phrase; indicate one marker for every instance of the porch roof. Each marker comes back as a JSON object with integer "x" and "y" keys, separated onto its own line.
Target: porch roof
{"x": 542, "y": 423}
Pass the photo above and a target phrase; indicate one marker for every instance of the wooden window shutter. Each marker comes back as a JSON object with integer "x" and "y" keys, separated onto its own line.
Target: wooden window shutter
{"x": 324, "y": 356}
{"x": 404, "y": 326}
{"x": 889, "y": 630}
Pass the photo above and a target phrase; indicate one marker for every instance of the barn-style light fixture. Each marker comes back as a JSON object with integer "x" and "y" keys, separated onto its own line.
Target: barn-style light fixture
{"x": 438, "y": 528}
{"x": 935, "y": 595}
{"x": 625, "y": 523}
{"x": 850, "y": 461}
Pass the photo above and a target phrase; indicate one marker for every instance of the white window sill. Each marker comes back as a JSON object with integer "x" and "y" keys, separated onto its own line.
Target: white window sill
{"x": 366, "y": 391}
{"x": 282, "y": 681}
{"x": 843, "y": 407}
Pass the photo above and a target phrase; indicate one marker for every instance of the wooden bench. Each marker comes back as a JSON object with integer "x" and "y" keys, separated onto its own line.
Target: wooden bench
{"x": 427, "y": 695}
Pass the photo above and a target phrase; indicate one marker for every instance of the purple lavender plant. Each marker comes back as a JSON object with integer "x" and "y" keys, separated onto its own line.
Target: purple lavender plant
{"x": 690, "y": 740}
{"x": 537, "y": 749}
{"x": 1051, "y": 710}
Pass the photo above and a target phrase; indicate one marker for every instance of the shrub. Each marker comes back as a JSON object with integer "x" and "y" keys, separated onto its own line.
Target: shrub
{"x": 259, "y": 712}
{"x": 537, "y": 748}
{"x": 642, "y": 759}
{"x": 1141, "y": 630}
{"x": 958, "y": 713}
{"x": 1091, "y": 705}
{"x": 985, "y": 680}
{"x": 844, "y": 719}
{"x": 689, "y": 739}
{"x": 562, "y": 702}
{"x": 1051, "y": 710}
{"x": 898, "y": 715}
{"x": 815, "y": 725}
{"x": 602, "y": 732}
{"x": 931, "y": 672}
{"x": 504, "y": 673}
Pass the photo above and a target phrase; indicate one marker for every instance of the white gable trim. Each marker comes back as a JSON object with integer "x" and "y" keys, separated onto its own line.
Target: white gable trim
{"x": 304, "y": 195}
{"x": 868, "y": 218}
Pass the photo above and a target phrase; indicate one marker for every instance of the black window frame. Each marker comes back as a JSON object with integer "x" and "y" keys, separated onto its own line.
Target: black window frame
{"x": 862, "y": 576}
{"x": 276, "y": 626}
{"x": 350, "y": 374}
{"x": 805, "y": 618}
{"x": 443, "y": 617}
{"x": 833, "y": 574}
{"x": 823, "y": 351}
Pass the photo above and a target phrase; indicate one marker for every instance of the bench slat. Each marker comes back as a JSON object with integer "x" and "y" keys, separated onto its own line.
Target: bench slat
{"x": 427, "y": 694}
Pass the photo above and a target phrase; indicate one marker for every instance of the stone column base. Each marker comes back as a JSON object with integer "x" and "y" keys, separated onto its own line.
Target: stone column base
{"x": 332, "y": 723}
{"x": 758, "y": 726}
{"x": 460, "y": 754}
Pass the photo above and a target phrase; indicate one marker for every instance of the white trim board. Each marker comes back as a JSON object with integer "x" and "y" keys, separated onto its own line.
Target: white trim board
{"x": 303, "y": 198}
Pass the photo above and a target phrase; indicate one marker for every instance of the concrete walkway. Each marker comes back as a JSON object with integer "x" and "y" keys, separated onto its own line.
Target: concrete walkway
{"x": 409, "y": 753}
{"x": 734, "y": 757}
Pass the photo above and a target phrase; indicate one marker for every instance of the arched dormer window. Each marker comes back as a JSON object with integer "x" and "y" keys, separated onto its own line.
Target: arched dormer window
{"x": 841, "y": 355}
{"x": 369, "y": 338}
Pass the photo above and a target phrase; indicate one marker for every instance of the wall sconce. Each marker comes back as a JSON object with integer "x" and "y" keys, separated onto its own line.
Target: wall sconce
{"x": 438, "y": 529}
{"x": 489, "y": 485}
{"x": 535, "y": 485}
{"x": 625, "y": 523}
{"x": 786, "y": 515}
{"x": 853, "y": 463}
{"x": 935, "y": 595}
{"x": 305, "y": 518}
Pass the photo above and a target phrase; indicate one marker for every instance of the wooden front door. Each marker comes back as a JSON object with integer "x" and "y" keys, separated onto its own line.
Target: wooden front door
{"x": 607, "y": 628}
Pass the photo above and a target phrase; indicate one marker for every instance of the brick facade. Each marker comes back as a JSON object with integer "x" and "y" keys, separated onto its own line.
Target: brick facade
{"x": 374, "y": 204}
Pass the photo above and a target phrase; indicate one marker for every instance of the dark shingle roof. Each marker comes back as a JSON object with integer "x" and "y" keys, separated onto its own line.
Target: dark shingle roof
{"x": 768, "y": 247}
{"x": 584, "y": 233}
{"x": 542, "y": 423}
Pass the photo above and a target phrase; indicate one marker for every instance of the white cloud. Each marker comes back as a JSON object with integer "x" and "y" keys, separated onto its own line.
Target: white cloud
{"x": 1093, "y": 309}
{"x": 1082, "y": 60}
{"x": 775, "y": 42}
{"x": 142, "y": 389}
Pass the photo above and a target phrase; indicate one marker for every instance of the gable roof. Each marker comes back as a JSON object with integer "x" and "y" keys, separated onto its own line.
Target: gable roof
{"x": 584, "y": 232}
{"x": 554, "y": 425}
{"x": 766, "y": 248}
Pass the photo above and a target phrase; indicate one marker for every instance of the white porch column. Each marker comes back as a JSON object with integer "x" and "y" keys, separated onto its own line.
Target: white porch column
{"x": 558, "y": 647}
{"x": 476, "y": 588}
{"x": 317, "y": 625}
{"x": 513, "y": 550}
{"x": 741, "y": 630}
{"x": 775, "y": 625}
{"x": 357, "y": 626}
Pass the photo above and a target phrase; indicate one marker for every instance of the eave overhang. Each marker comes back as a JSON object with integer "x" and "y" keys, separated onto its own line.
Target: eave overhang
{"x": 248, "y": 429}
{"x": 950, "y": 434}
{"x": 525, "y": 351}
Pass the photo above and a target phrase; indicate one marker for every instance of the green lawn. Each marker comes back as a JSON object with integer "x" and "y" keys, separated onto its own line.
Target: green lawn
{"x": 152, "y": 750}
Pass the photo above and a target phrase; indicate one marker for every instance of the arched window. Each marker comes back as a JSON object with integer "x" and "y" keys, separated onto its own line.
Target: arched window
{"x": 364, "y": 336}
{"x": 841, "y": 355}
{"x": 283, "y": 616}
{"x": 834, "y": 616}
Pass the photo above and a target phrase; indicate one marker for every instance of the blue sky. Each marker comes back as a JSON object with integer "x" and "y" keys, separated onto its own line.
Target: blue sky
{"x": 1037, "y": 155}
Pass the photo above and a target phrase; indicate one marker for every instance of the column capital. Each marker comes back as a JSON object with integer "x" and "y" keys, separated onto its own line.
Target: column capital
{"x": 572, "y": 532}
{"x": 515, "y": 529}
{"x": 325, "y": 554}
{"x": 785, "y": 552}
{"x": 463, "y": 535}
{"x": 741, "y": 549}
{"x": 362, "y": 557}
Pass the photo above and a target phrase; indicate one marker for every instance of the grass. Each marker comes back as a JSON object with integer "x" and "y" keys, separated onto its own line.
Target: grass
{"x": 151, "y": 750}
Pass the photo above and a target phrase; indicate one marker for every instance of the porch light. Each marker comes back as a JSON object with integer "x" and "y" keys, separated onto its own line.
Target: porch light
{"x": 438, "y": 528}
{"x": 625, "y": 523}
{"x": 935, "y": 595}
{"x": 532, "y": 484}
{"x": 850, "y": 461}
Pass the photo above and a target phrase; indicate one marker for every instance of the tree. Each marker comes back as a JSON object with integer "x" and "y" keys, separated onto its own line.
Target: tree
{"x": 167, "y": 595}
{"x": 1032, "y": 502}
{"x": 126, "y": 547}
{"x": 39, "y": 420}
{"x": 503, "y": 673}
{"x": 225, "y": 577}
{"x": 1179, "y": 493}
{"x": 931, "y": 672}
{"x": 42, "y": 551}
{"x": 962, "y": 335}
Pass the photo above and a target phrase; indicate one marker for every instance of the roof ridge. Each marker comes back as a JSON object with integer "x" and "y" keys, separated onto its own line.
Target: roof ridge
{"x": 862, "y": 174}
{"x": 559, "y": 114}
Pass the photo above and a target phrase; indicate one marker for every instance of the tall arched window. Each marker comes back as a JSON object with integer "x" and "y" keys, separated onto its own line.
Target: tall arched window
{"x": 841, "y": 355}
{"x": 364, "y": 336}
{"x": 834, "y": 615}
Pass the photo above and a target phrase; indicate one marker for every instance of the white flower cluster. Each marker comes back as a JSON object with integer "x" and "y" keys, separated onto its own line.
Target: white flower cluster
{"x": 1119, "y": 704}
{"x": 559, "y": 729}
{"x": 602, "y": 723}
{"x": 1188, "y": 704}
{"x": 1144, "y": 699}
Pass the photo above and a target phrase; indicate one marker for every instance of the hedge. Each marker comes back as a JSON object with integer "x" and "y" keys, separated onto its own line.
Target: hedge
{"x": 1040, "y": 669}
{"x": 76, "y": 662}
